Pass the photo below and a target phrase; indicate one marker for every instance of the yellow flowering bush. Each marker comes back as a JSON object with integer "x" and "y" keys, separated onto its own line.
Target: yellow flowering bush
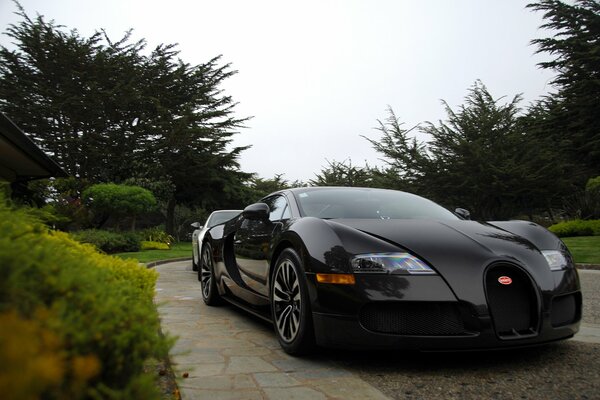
{"x": 148, "y": 245}
{"x": 75, "y": 323}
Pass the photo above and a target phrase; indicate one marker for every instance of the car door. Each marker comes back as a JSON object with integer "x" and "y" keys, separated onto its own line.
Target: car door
{"x": 252, "y": 242}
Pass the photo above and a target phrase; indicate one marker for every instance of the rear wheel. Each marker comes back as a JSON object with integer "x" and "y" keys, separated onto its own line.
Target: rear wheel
{"x": 290, "y": 305}
{"x": 206, "y": 273}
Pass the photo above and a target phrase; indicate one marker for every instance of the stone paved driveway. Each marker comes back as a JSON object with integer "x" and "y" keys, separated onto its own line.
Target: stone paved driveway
{"x": 231, "y": 355}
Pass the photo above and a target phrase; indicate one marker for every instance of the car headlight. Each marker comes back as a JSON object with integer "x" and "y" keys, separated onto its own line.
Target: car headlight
{"x": 390, "y": 263}
{"x": 556, "y": 259}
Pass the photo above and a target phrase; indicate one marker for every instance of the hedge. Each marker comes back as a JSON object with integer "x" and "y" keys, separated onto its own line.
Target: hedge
{"x": 73, "y": 323}
{"x": 108, "y": 241}
{"x": 576, "y": 227}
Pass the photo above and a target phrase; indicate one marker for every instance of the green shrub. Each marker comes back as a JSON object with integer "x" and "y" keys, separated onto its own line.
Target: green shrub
{"x": 105, "y": 199}
{"x": 148, "y": 245}
{"x": 576, "y": 227}
{"x": 83, "y": 323}
{"x": 593, "y": 185}
{"x": 156, "y": 234}
{"x": 108, "y": 241}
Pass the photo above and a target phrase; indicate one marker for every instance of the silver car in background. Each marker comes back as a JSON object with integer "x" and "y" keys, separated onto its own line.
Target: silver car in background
{"x": 215, "y": 218}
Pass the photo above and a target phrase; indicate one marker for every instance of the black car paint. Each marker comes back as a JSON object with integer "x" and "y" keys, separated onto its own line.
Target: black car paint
{"x": 460, "y": 251}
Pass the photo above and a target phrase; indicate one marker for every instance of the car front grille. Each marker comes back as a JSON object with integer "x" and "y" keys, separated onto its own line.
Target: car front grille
{"x": 514, "y": 305}
{"x": 412, "y": 318}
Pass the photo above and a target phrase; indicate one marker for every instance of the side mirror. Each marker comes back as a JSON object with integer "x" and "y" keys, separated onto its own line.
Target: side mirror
{"x": 197, "y": 225}
{"x": 462, "y": 213}
{"x": 258, "y": 211}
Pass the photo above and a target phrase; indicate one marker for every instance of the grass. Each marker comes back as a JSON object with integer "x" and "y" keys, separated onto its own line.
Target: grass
{"x": 585, "y": 249}
{"x": 177, "y": 250}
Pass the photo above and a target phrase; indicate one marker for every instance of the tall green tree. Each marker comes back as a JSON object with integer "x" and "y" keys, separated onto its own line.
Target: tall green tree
{"x": 572, "y": 115}
{"x": 76, "y": 97}
{"x": 480, "y": 158}
{"x": 189, "y": 124}
{"x": 110, "y": 112}
{"x": 343, "y": 173}
{"x": 261, "y": 187}
{"x": 405, "y": 156}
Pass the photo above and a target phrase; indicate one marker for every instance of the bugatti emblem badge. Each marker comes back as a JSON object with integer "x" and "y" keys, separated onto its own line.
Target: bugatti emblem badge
{"x": 505, "y": 280}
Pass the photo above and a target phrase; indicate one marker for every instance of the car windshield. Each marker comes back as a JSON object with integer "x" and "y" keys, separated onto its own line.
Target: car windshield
{"x": 368, "y": 204}
{"x": 220, "y": 217}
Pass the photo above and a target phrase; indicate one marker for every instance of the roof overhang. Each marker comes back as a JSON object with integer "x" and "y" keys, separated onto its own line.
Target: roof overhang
{"x": 21, "y": 159}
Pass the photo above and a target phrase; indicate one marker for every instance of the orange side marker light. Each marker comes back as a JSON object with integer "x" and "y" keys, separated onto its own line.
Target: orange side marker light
{"x": 336, "y": 279}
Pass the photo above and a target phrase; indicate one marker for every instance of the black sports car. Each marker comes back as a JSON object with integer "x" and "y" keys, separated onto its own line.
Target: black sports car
{"x": 373, "y": 268}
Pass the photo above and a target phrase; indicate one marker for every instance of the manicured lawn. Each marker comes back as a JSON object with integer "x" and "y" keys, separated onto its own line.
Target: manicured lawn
{"x": 178, "y": 250}
{"x": 585, "y": 249}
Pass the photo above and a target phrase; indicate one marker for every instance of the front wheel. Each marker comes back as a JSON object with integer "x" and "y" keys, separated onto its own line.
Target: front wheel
{"x": 206, "y": 273}
{"x": 290, "y": 305}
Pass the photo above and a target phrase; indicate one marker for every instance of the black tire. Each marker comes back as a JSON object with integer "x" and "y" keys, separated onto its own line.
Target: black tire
{"x": 290, "y": 305}
{"x": 206, "y": 275}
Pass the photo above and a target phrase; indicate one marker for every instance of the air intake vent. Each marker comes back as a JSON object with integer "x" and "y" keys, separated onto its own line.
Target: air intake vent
{"x": 413, "y": 318}
{"x": 565, "y": 309}
{"x": 512, "y": 302}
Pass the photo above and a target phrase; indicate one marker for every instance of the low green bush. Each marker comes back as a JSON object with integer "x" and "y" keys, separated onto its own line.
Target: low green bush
{"x": 593, "y": 185}
{"x": 576, "y": 227}
{"x": 148, "y": 245}
{"x": 108, "y": 241}
{"x": 73, "y": 323}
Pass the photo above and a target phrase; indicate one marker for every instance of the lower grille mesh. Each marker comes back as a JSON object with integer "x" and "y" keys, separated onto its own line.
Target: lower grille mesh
{"x": 413, "y": 318}
{"x": 564, "y": 310}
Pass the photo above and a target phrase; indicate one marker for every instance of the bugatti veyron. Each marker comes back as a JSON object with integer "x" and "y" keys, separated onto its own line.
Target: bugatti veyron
{"x": 373, "y": 268}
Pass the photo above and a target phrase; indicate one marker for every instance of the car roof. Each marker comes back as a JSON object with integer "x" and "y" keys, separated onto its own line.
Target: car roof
{"x": 319, "y": 188}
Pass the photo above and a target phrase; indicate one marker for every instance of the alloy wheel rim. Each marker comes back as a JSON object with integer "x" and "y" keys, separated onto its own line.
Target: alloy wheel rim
{"x": 287, "y": 301}
{"x": 206, "y": 272}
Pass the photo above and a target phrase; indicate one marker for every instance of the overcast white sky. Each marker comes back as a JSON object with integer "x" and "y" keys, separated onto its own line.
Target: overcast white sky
{"x": 316, "y": 75}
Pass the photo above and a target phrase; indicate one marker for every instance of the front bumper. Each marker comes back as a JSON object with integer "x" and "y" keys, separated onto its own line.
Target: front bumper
{"x": 339, "y": 316}
{"x": 343, "y": 331}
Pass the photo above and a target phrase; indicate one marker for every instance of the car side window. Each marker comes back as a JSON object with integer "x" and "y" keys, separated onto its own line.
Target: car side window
{"x": 278, "y": 207}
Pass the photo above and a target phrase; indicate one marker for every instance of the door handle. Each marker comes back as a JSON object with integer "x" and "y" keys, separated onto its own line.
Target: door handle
{"x": 237, "y": 242}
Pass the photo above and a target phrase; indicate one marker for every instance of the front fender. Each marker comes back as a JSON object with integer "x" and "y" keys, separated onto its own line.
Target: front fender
{"x": 328, "y": 246}
{"x": 541, "y": 237}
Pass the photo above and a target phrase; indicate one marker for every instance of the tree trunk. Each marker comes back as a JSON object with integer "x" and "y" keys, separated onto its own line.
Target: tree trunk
{"x": 550, "y": 213}
{"x": 133, "y": 224}
{"x": 170, "y": 222}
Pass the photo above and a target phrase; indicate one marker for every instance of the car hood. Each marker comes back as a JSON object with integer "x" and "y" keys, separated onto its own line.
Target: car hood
{"x": 460, "y": 250}
{"x": 427, "y": 237}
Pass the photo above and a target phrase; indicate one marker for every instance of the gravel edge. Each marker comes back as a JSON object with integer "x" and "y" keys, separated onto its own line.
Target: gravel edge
{"x": 588, "y": 266}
